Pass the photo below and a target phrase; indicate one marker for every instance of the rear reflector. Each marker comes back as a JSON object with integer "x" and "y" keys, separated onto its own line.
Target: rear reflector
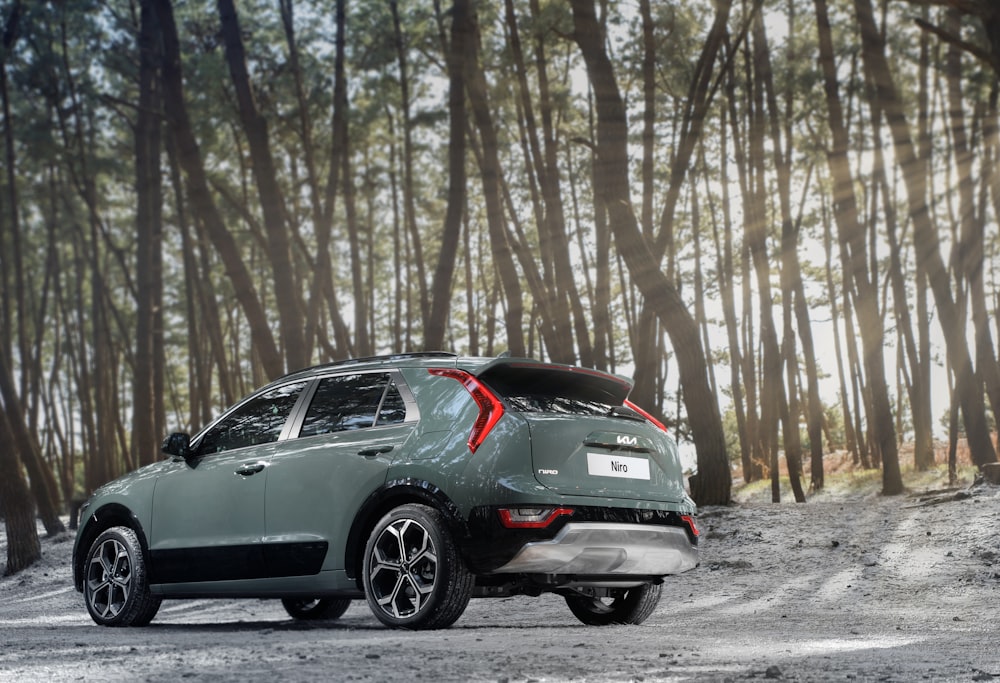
{"x": 689, "y": 520}
{"x": 490, "y": 407}
{"x": 531, "y": 517}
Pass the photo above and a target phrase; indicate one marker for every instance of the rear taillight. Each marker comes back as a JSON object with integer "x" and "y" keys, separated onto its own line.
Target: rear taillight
{"x": 490, "y": 407}
{"x": 643, "y": 413}
{"x": 531, "y": 517}
{"x": 689, "y": 521}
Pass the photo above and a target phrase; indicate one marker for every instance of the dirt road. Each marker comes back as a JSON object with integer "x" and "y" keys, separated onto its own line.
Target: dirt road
{"x": 839, "y": 589}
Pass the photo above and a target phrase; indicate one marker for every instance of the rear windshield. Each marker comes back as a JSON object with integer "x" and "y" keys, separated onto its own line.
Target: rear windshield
{"x": 547, "y": 389}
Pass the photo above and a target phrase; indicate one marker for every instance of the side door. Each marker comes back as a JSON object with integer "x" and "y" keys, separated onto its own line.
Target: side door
{"x": 208, "y": 512}
{"x": 354, "y": 426}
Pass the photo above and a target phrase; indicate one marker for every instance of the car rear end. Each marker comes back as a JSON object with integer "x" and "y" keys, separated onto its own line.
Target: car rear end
{"x": 582, "y": 488}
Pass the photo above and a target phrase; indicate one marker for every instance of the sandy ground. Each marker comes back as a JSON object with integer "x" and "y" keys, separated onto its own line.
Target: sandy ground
{"x": 844, "y": 588}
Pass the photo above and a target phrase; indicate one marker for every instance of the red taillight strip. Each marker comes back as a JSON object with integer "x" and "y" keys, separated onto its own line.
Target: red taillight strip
{"x": 490, "y": 407}
{"x": 657, "y": 423}
{"x": 689, "y": 520}
{"x": 507, "y": 519}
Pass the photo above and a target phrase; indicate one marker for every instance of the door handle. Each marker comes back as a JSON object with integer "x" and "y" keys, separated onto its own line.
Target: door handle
{"x": 250, "y": 468}
{"x": 377, "y": 450}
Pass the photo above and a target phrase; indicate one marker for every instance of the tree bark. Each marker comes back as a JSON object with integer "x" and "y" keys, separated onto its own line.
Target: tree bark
{"x": 22, "y": 444}
{"x": 853, "y": 238}
{"x": 925, "y": 236}
{"x": 189, "y": 159}
{"x": 460, "y": 50}
{"x": 409, "y": 201}
{"x": 287, "y": 299}
{"x": 475, "y": 83}
{"x": 149, "y": 226}
{"x": 713, "y": 484}
{"x": 16, "y": 507}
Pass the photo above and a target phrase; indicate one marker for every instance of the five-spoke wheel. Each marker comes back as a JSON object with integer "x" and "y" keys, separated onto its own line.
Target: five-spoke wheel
{"x": 414, "y": 576}
{"x": 116, "y": 588}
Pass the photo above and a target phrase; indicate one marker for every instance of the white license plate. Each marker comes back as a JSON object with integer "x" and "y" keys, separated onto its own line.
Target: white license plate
{"x": 601, "y": 465}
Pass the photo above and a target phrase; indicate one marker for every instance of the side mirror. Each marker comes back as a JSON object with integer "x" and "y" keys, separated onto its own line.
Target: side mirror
{"x": 177, "y": 444}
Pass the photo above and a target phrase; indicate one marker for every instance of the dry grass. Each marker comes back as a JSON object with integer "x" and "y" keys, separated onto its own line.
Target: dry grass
{"x": 843, "y": 478}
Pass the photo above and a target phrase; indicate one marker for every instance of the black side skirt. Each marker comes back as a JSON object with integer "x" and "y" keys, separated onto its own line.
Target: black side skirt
{"x": 237, "y": 562}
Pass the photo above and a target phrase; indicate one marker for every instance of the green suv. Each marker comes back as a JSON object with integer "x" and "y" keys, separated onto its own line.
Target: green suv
{"x": 413, "y": 481}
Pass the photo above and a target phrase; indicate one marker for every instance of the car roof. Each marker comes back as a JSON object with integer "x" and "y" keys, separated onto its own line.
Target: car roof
{"x": 472, "y": 364}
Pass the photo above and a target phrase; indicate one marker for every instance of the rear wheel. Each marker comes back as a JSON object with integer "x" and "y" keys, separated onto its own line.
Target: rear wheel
{"x": 308, "y": 609}
{"x": 627, "y": 606}
{"x": 414, "y": 576}
{"x": 116, "y": 583}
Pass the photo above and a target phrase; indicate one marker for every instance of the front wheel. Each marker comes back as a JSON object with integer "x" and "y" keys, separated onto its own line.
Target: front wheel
{"x": 413, "y": 574}
{"x": 309, "y": 609}
{"x": 116, "y": 582}
{"x": 628, "y": 606}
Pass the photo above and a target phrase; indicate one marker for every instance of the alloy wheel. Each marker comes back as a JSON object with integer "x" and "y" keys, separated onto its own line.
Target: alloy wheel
{"x": 404, "y": 568}
{"x": 109, "y": 579}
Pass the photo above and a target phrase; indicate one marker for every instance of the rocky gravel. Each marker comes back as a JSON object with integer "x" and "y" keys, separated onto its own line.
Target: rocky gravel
{"x": 848, "y": 587}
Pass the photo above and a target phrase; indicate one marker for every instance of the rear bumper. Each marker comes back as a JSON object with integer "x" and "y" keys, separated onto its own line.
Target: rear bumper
{"x": 611, "y": 549}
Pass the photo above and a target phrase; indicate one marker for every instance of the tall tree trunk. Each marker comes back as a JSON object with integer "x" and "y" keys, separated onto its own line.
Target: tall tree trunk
{"x": 12, "y": 253}
{"x": 724, "y": 257}
{"x": 16, "y": 506}
{"x": 853, "y": 238}
{"x": 320, "y": 209}
{"x": 713, "y": 484}
{"x": 23, "y": 444}
{"x": 791, "y": 276}
{"x": 189, "y": 159}
{"x": 925, "y": 235}
{"x": 287, "y": 299}
{"x": 845, "y": 403}
{"x": 971, "y": 222}
{"x": 561, "y": 296}
{"x": 409, "y": 196}
{"x": 475, "y": 84}
{"x": 149, "y": 225}
{"x": 460, "y": 50}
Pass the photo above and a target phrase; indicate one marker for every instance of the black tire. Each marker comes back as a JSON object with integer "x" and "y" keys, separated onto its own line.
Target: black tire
{"x": 633, "y": 606}
{"x": 414, "y": 576}
{"x": 115, "y": 580}
{"x": 310, "y": 609}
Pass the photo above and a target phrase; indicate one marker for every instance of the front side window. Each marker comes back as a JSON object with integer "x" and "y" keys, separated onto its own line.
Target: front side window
{"x": 258, "y": 421}
{"x": 349, "y": 402}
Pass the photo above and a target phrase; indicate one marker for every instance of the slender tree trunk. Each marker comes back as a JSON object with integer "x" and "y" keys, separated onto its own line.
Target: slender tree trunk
{"x": 791, "y": 277}
{"x": 853, "y": 238}
{"x": 845, "y": 404}
{"x": 16, "y": 506}
{"x": 409, "y": 200}
{"x": 925, "y": 236}
{"x": 22, "y": 444}
{"x": 287, "y": 299}
{"x": 475, "y": 84}
{"x": 145, "y": 438}
{"x": 724, "y": 257}
{"x": 971, "y": 222}
{"x": 13, "y": 256}
{"x": 460, "y": 50}
{"x": 713, "y": 484}
{"x": 189, "y": 159}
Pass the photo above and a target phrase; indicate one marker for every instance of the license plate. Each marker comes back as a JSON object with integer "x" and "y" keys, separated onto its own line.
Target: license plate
{"x": 602, "y": 465}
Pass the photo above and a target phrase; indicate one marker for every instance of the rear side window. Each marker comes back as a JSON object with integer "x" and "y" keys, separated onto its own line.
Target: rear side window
{"x": 552, "y": 389}
{"x": 349, "y": 402}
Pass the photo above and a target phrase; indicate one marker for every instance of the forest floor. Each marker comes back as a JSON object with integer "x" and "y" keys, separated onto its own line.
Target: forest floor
{"x": 851, "y": 586}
